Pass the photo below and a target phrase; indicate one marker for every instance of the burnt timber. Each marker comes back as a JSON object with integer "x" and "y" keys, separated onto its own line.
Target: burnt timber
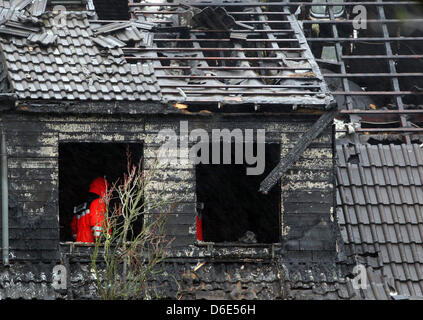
{"x": 296, "y": 152}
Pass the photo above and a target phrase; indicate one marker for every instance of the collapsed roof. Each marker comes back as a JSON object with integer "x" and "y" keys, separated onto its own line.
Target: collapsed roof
{"x": 220, "y": 54}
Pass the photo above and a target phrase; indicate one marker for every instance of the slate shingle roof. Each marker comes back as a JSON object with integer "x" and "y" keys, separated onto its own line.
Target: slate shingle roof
{"x": 380, "y": 210}
{"x": 65, "y": 63}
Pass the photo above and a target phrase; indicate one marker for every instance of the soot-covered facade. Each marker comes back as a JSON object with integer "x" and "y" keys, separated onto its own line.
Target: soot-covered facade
{"x": 77, "y": 89}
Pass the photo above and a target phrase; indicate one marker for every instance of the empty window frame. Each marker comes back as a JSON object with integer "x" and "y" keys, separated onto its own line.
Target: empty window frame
{"x": 232, "y": 205}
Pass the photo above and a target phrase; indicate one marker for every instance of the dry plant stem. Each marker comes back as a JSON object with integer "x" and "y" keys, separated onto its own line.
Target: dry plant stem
{"x": 128, "y": 265}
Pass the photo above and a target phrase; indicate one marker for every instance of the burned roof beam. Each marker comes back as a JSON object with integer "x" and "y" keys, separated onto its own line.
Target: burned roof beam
{"x": 262, "y": 22}
{"x": 294, "y": 154}
{"x": 267, "y": 4}
{"x": 240, "y": 77}
{"x": 261, "y": 93}
{"x": 367, "y": 39}
{"x": 338, "y": 52}
{"x": 214, "y": 58}
{"x": 201, "y": 62}
{"x": 298, "y": 30}
{"x": 234, "y": 86}
{"x": 392, "y": 68}
{"x": 241, "y": 54}
{"x": 380, "y": 91}
{"x": 211, "y": 49}
{"x": 225, "y": 40}
{"x": 270, "y": 34}
{"x": 250, "y": 32}
{"x": 234, "y": 68}
{"x": 141, "y": 12}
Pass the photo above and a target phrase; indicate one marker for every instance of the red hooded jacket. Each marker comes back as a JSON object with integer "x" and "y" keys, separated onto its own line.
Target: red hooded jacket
{"x": 199, "y": 221}
{"x": 89, "y": 224}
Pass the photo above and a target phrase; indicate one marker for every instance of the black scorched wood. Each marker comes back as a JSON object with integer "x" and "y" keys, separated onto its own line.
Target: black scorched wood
{"x": 296, "y": 152}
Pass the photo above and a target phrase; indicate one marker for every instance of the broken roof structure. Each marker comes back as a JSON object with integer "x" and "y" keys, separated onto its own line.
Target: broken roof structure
{"x": 222, "y": 53}
{"x": 191, "y": 56}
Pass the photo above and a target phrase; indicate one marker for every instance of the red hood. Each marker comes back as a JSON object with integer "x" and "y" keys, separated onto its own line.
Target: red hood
{"x": 99, "y": 186}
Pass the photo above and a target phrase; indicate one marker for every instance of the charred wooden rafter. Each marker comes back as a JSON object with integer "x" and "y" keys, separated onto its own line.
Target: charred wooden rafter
{"x": 293, "y": 156}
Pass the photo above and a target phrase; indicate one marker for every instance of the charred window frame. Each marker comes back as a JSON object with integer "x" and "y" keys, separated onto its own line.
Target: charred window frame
{"x": 225, "y": 188}
{"x": 79, "y": 164}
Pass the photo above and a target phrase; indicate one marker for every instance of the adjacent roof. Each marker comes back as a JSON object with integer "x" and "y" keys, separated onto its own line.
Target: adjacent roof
{"x": 380, "y": 205}
{"x": 219, "y": 54}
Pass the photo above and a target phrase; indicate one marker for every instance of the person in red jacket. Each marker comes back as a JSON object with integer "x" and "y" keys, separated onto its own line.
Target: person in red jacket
{"x": 88, "y": 221}
{"x": 199, "y": 221}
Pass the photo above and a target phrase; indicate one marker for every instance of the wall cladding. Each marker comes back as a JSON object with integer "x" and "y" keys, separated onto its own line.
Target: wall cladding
{"x": 307, "y": 189}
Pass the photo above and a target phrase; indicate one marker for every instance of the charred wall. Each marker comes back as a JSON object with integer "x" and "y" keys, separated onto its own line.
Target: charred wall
{"x": 32, "y": 146}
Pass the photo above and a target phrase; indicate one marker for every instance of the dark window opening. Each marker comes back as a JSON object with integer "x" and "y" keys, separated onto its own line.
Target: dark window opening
{"x": 232, "y": 204}
{"x": 79, "y": 164}
{"x": 112, "y": 10}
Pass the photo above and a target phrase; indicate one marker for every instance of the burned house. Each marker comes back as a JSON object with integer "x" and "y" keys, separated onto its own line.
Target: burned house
{"x": 81, "y": 82}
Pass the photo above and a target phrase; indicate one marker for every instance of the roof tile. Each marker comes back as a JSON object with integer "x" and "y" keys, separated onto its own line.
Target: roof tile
{"x": 72, "y": 49}
{"x": 384, "y": 207}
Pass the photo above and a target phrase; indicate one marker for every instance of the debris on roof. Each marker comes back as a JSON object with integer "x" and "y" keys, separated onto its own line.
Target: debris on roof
{"x": 216, "y": 19}
{"x": 110, "y": 27}
{"x": 17, "y": 28}
{"x": 129, "y": 31}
